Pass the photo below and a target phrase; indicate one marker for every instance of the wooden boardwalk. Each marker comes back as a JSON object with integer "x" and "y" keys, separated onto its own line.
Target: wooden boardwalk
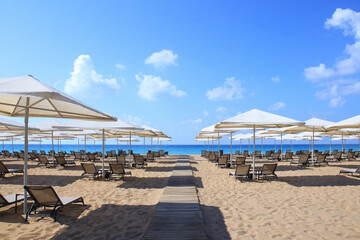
{"x": 178, "y": 214}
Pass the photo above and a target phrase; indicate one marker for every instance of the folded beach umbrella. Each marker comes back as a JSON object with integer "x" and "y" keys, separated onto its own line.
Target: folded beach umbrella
{"x": 28, "y": 97}
{"x": 256, "y": 119}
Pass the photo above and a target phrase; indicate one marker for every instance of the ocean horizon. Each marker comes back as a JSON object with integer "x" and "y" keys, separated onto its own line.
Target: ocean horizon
{"x": 178, "y": 149}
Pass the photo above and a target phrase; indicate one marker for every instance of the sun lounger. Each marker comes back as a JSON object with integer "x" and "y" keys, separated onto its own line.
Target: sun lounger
{"x": 89, "y": 168}
{"x": 350, "y": 156}
{"x": 43, "y": 160}
{"x": 222, "y": 162}
{"x": 118, "y": 169}
{"x": 62, "y": 162}
{"x": 268, "y": 169}
{"x": 239, "y": 161}
{"x": 139, "y": 161}
{"x": 241, "y": 171}
{"x": 45, "y": 196}
{"x": 10, "y": 199}
{"x": 321, "y": 160}
{"x": 4, "y": 170}
{"x": 303, "y": 160}
{"x": 338, "y": 156}
{"x": 352, "y": 171}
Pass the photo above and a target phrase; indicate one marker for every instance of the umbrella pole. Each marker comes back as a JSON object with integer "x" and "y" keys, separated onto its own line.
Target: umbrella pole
{"x": 240, "y": 146}
{"x": 208, "y": 145}
{"x": 103, "y": 152}
{"x": 52, "y": 145}
{"x": 312, "y": 153}
{"x": 212, "y": 143}
{"x": 58, "y": 144}
{"x": 78, "y": 145}
{"x": 262, "y": 146}
{"x": 40, "y": 145}
{"x": 144, "y": 147}
{"x": 219, "y": 144}
{"x": 94, "y": 145}
{"x": 130, "y": 150}
{"x": 12, "y": 143}
{"x": 330, "y": 144}
{"x": 26, "y": 150}
{"x": 253, "y": 153}
{"x": 359, "y": 141}
{"x": 275, "y": 144}
{"x": 249, "y": 145}
{"x": 342, "y": 141}
{"x": 85, "y": 144}
{"x": 231, "y": 145}
{"x": 281, "y": 152}
{"x": 151, "y": 143}
{"x": 117, "y": 144}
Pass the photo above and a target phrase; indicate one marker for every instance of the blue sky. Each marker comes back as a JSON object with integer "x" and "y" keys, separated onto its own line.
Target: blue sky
{"x": 180, "y": 66}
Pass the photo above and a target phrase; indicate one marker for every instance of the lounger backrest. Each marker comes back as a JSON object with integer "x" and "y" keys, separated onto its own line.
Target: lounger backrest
{"x": 117, "y": 168}
{"x": 139, "y": 159}
{"x": 150, "y": 156}
{"x": 60, "y": 159}
{"x": 32, "y": 154}
{"x": 269, "y": 168}
{"x": 321, "y": 157}
{"x": 276, "y": 155}
{"x": 91, "y": 156}
{"x": 77, "y": 155}
{"x": 358, "y": 170}
{"x": 44, "y": 195}
{"x": 3, "y": 168}
{"x": 89, "y": 168}
{"x": 223, "y": 160}
{"x": 288, "y": 154}
{"x": 338, "y": 155}
{"x": 242, "y": 169}
{"x": 61, "y": 154}
{"x": 120, "y": 159}
{"x": 43, "y": 159}
{"x": 304, "y": 158}
{"x": 350, "y": 154}
{"x": 240, "y": 160}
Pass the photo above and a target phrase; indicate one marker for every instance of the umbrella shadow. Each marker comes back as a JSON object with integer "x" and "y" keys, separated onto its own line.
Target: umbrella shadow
{"x": 159, "y": 169}
{"x": 53, "y": 180}
{"x": 108, "y": 222}
{"x": 214, "y": 223}
{"x": 321, "y": 181}
{"x": 144, "y": 183}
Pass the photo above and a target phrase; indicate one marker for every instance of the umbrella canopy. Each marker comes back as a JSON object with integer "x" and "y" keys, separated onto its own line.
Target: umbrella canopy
{"x": 28, "y": 97}
{"x": 257, "y": 119}
{"x": 353, "y": 122}
{"x": 119, "y": 125}
{"x": 43, "y": 101}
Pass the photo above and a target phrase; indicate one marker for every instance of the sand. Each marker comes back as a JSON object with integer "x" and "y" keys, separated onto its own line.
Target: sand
{"x": 305, "y": 203}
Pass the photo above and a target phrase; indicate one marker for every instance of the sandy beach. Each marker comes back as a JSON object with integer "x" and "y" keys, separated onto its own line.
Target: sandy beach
{"x": 305, "y": 203}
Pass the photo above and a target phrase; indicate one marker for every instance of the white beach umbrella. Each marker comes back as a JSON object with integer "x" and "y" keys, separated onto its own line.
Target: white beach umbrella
{"x": 212, "y": 129}
{"x": 257, "y": 119}
{"x": 103, "y": 126}
{"x": 28, "y": 97}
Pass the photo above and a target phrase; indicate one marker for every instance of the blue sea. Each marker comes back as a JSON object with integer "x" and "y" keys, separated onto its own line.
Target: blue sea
{"x": 175, "y": 149}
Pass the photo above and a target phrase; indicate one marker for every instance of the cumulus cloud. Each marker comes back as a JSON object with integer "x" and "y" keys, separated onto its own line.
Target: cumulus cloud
{"x": 231, "y": 89}
{"x": 205, "y": 113}
{"x": 151, "y": 87}
{"x": 277, "y": 106}
{"x": 120, "y": 66}
{"x": 348, "y": 21}
{"x": 221, "y": 109}
{"x": 193, "y": 121}
{"x": 318, "y": 72}
{"x": 337, "y": 102}
{"x": 162, "y": 59}
{"x": 85, "y": 81}
{"x": 135, "y": 120}
{"x": 275, "y": 79}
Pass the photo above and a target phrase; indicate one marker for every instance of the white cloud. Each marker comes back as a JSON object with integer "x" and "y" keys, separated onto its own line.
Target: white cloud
{"x": 277, "y": 106}
{"x": 151, "y": 87}
{"x": 192, "y": 121}
{"x": 205, "y": 113}
{"x": 348, "y": 21}
{"x": 135, "y": 120}
{"x": 230, "y": 90}
{"x": 337, "y": 102}
{"x": 86, "y": 81}
{"x": 318, "y": 72}
{"x": 275, "y": 79}
{"x": 221, "y": 109}
{"x": 120, "y": 66}
{"x": 162, "y": 59}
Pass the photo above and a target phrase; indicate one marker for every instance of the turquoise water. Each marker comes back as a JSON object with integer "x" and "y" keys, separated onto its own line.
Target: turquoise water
{"x": 176, "y": 149}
